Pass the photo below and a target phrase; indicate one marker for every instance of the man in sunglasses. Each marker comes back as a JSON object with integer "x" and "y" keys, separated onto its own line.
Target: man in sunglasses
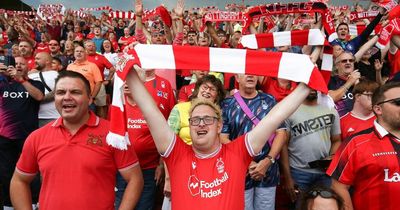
{"x": 341, "y": 85}
{"x": 208, "y": 174}
{"x": 369, "y": 161}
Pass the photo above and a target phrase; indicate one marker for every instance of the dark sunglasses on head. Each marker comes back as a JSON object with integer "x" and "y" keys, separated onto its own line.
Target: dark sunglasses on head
{"x": 322, "y": 193}
{"x": 394, "y": 101}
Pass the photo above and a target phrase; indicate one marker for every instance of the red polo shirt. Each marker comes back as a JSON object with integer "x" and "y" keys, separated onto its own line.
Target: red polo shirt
{"x": 100, "y": 62}
{"x": 78, "y": 171}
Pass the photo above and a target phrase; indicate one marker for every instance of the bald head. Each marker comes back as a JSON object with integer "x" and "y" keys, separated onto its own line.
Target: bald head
{"x": 43, "y": 61}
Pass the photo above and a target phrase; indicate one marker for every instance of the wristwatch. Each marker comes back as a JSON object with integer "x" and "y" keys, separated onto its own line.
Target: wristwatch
{"x": 271, "y": 159}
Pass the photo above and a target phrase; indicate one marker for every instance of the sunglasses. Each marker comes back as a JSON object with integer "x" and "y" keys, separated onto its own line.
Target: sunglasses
{"x": 394, "y": 101}
{"x": 322, "y": 193}
{"x": 347, "y": 60}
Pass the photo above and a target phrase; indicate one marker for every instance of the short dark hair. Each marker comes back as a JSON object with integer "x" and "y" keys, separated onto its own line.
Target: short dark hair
{"x": 76, "y": 75}
{"x": 342, "y": 24}
{"x": 378, "y": 95}
{"x": 214, "y": 81}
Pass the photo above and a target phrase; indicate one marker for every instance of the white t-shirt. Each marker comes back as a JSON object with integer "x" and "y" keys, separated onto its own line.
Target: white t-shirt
{"x": 47, "y": 109}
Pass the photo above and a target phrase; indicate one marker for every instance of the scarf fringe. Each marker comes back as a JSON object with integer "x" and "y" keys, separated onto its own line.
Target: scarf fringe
{"x": 118, "y": 141}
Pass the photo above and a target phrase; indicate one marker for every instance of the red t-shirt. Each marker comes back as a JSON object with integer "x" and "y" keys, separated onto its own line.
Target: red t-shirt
{"x": 100, "y": 62}
{"x": 90, "y": 36}
{"x": 129, "y": 39}
{"x": 394, "y": 59}
{"x": 369, "y": 162}
{"x": 3, "y": 36}
{"x": 139, "y": 133}
{"x": 350, "y": 124}
{"x": 213, "y": 182}
{"x": 271, "y": 86}
{"x": 31, "y": 62}
{"x": 42, "y": 47}
{"x": 78, "y": 171}
{"x": 185, "y": 92}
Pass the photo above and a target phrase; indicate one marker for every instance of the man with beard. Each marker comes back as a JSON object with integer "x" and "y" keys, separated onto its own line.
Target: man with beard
{"x": 26, "y": 50}
{"x": 369, "y": 162}
{"x": 47, "y": 76}
{"x": 314, "y": 135}
{"x": 240, "y": 114}
{"x": 19, "y": 107}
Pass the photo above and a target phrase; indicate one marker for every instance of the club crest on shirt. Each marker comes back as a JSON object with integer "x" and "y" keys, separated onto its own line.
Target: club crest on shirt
{"x": 162, "y": 84}
{"x": 220, "y": 166}
{"x": 95, "y": 140}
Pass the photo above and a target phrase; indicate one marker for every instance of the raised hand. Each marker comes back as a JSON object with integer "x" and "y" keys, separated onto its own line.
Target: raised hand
{"x": 180, "y": 6}
{"x": 139, "y": 7}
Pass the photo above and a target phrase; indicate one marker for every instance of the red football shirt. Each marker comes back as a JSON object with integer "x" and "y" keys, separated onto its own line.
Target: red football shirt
{"x": 100, "y": 62}
{"x": 185, "y": 92}
{"x": 212, "y": 182}
{"x": 370, "y": 163}
{"x": 129, "y": 39}
{"x": 350, "y": 124}
{"x": 139, "y": 133}
{"x": 271, "y": 86}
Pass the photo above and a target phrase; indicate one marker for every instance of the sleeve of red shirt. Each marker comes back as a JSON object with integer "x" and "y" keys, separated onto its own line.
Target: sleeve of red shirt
{"x": 125, "y": 158}
{"x": 178, "y": 39}
{"x": 141, "y": 38}
{"x": 27, "y": 162}
{"x": 107, "y": 63}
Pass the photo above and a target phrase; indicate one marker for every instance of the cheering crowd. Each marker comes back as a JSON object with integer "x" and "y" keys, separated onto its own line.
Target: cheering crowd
{"x": 274, "y": 106}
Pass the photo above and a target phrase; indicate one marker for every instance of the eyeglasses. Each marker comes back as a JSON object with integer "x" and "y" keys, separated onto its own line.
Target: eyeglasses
{"x": 394, "y": 101}
{"x": 369, "y": 95}
{"x": 346, "y": 60}
{"x": 206, "y": 87}
{"x": 208, "y": 120}
{"x": 322, "y": 193}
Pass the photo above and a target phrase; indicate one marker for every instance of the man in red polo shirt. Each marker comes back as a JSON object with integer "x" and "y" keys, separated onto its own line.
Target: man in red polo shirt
{"x": 369, "y": 162}
{"x": 77, "y": 166}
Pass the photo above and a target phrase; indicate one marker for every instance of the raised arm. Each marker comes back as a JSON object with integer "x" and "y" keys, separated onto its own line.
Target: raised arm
{"x": 260, "y": 134}
{"x": 161, "y": 132}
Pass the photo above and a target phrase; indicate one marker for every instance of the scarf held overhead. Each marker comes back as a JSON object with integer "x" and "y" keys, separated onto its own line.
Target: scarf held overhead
{"x": 295, "y": 67}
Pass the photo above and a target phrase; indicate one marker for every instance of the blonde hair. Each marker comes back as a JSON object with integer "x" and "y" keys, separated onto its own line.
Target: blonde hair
{"x": 198, "y": 102}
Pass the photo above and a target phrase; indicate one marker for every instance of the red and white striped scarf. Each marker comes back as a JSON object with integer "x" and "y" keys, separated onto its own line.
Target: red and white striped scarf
{"x": 313, "y": 37}
{"x": 295, "y": 67}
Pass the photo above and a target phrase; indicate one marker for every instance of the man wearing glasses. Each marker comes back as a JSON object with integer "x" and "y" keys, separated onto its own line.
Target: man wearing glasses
{"x": 340, "y": 86}
{"x": 369, "y": 162}
{"x": 208, "y": 174}
{"x": 361, "y": 116}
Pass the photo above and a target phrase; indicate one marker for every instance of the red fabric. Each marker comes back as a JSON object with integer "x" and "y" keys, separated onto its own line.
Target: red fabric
{"x": 31, "y": 62}
{"x": 42, "y": 47}
{"x": 68, "y": 162}
{"x": 90, "y": 36}
{"x": 208, "y": 183}
{"x": 4, "y": 36}
{"x": 100, "y": 62}
{"x": 185, "y": 92}
{"x": 370, "y": 164}
{"x": 394, "y": 60}
{"x": 130, "y": 40}
{"x": 139, "y": 133}
{"x": 350, "y": 124}
{"x": 271, "y": 86}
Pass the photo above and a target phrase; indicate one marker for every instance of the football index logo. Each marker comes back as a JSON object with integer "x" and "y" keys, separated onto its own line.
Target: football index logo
{"x": 194, "y": 185}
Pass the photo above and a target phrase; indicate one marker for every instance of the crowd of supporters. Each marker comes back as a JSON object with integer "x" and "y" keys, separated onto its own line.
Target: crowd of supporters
{"x": 36, "y": 49}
